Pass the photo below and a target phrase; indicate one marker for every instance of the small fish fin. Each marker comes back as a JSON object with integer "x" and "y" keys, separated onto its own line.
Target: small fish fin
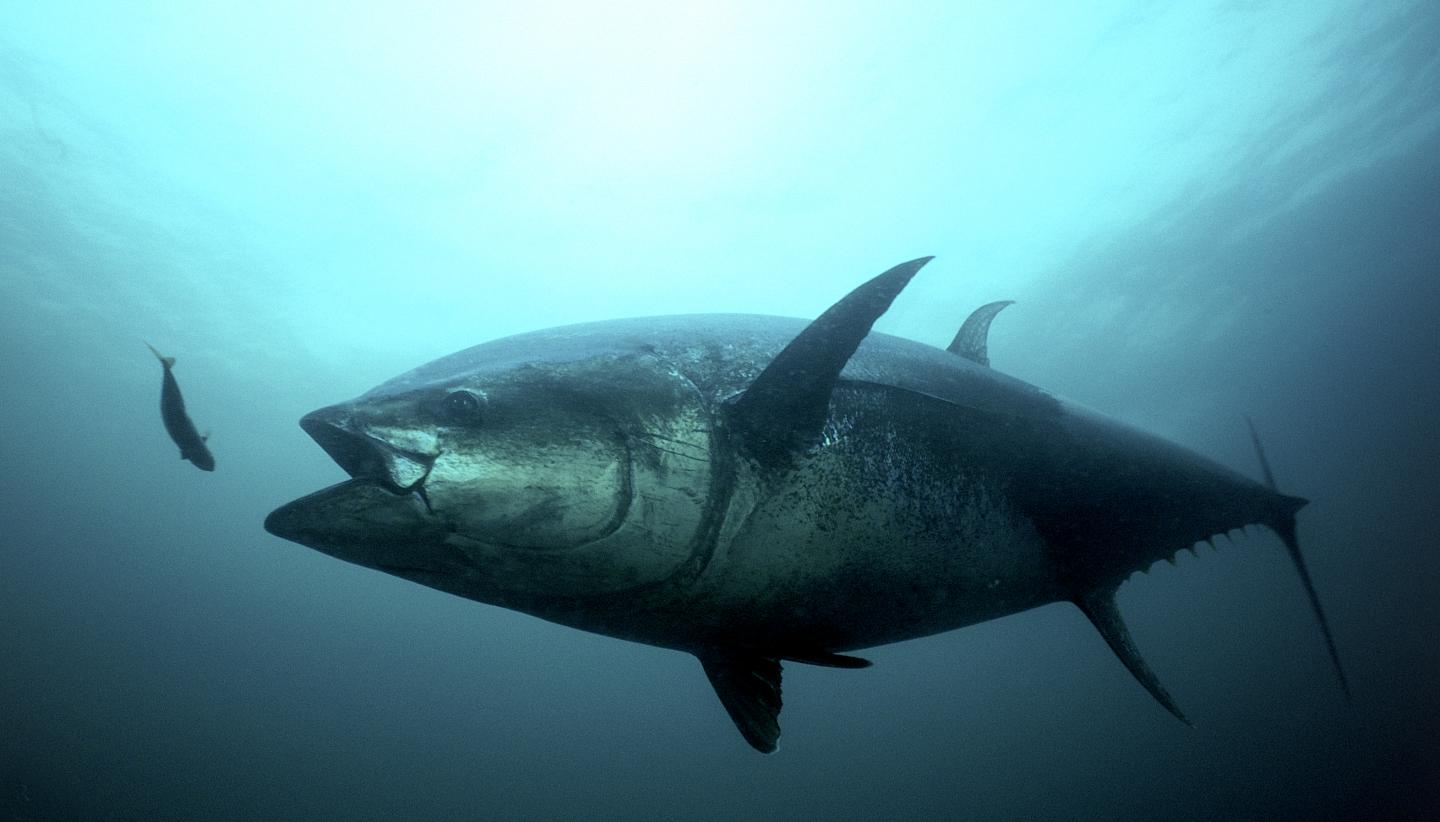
{"x": 972, "y": 340}
{"x": 829, "y": 660}
{"x": 168, "y": 362}
{"x": 783, "y": 411}
{"x": 1100, "y": 608}
{"x": 205, "y": 437}
{"x": 749, "y": 688}
{"x": 1282, "y": 522}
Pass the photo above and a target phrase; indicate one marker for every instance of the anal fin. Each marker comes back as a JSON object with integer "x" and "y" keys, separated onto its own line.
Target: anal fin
{"x": 1100, "y": 608}
{"x": 749, "y": 688}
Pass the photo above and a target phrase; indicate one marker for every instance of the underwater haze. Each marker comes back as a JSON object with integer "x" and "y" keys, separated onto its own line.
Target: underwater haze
{"x": 1203, "y": 210}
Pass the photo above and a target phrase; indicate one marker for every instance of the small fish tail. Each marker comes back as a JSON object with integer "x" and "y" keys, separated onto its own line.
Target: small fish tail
{"x": 168, "y": 362}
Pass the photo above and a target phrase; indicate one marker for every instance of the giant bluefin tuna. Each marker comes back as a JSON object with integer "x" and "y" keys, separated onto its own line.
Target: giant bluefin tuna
{"x": 753, "y": 490}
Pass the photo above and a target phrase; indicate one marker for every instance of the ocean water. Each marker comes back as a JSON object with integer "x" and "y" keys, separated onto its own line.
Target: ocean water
{"x": 1204, "y": 210}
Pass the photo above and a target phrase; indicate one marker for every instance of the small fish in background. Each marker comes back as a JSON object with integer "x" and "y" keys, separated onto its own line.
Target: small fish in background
{"x": 177, "y": 422}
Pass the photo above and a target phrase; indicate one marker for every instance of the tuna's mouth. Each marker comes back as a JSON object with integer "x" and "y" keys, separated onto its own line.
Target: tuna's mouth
{"x": 366, "y": 457}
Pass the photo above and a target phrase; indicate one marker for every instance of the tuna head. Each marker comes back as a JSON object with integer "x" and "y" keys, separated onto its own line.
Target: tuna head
{"x": 532, "y": 485}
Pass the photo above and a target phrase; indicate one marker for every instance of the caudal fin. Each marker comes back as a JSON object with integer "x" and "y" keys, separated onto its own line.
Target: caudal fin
{"x": 168, "y": 362}
{"x": 1283, "y": 524}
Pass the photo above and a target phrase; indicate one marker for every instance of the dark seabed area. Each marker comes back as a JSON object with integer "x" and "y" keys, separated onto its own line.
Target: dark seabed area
{"x": 1202, "y": 215}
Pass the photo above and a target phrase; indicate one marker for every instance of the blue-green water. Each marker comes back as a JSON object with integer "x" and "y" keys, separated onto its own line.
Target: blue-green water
{"x": 1204, "y": 211}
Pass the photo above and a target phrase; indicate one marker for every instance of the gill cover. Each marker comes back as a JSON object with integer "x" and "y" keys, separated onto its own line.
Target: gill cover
{"x": 576, "y": 479}
{"x": 530, "y": 467}
{"x": 545, "y": 481}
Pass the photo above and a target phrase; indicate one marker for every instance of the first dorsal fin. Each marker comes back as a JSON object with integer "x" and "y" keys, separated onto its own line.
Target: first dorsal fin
{"x": 749, "y": 688}
{"x": 1100, "y": 608}
{"x": 971, "y": 341}
{"x": 783, "y": 411}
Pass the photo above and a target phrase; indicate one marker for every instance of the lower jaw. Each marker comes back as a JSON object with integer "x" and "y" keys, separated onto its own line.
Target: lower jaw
{"x": 355, "y": 512}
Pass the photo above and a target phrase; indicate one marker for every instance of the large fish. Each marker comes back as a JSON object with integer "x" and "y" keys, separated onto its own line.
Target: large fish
{"x": 177, "y": 421}
{"x": 754, "y": 489}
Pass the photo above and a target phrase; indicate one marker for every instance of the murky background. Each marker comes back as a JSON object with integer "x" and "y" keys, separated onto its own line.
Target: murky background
{"x": 1204, "y": 210}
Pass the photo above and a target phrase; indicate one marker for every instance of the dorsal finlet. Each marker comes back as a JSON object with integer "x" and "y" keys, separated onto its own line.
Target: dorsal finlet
{"x": 972, "y": 340}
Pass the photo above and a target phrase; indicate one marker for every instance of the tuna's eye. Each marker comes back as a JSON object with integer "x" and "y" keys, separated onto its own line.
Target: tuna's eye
{"x": 461, "y": 407}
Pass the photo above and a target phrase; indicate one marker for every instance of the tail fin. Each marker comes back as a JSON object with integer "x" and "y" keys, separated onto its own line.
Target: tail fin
{"x": 1283, "y": 524}
{"x": 168, "y": 362}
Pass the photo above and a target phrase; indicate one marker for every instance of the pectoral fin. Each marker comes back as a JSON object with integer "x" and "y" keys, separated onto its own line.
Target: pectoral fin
{"x": 1100, "y": 608}
{"x": 749, "y": 688}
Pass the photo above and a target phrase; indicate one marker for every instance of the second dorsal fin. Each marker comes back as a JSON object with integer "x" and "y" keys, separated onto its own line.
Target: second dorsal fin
{"x": 971, "y": 341}
{"x": 1100, "y": 608}
{"x": 783, "y": 411}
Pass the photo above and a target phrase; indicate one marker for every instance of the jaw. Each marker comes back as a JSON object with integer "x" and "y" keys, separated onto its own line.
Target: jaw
{"x": 380, "y": 518}
{"x": 363, "y": 522}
